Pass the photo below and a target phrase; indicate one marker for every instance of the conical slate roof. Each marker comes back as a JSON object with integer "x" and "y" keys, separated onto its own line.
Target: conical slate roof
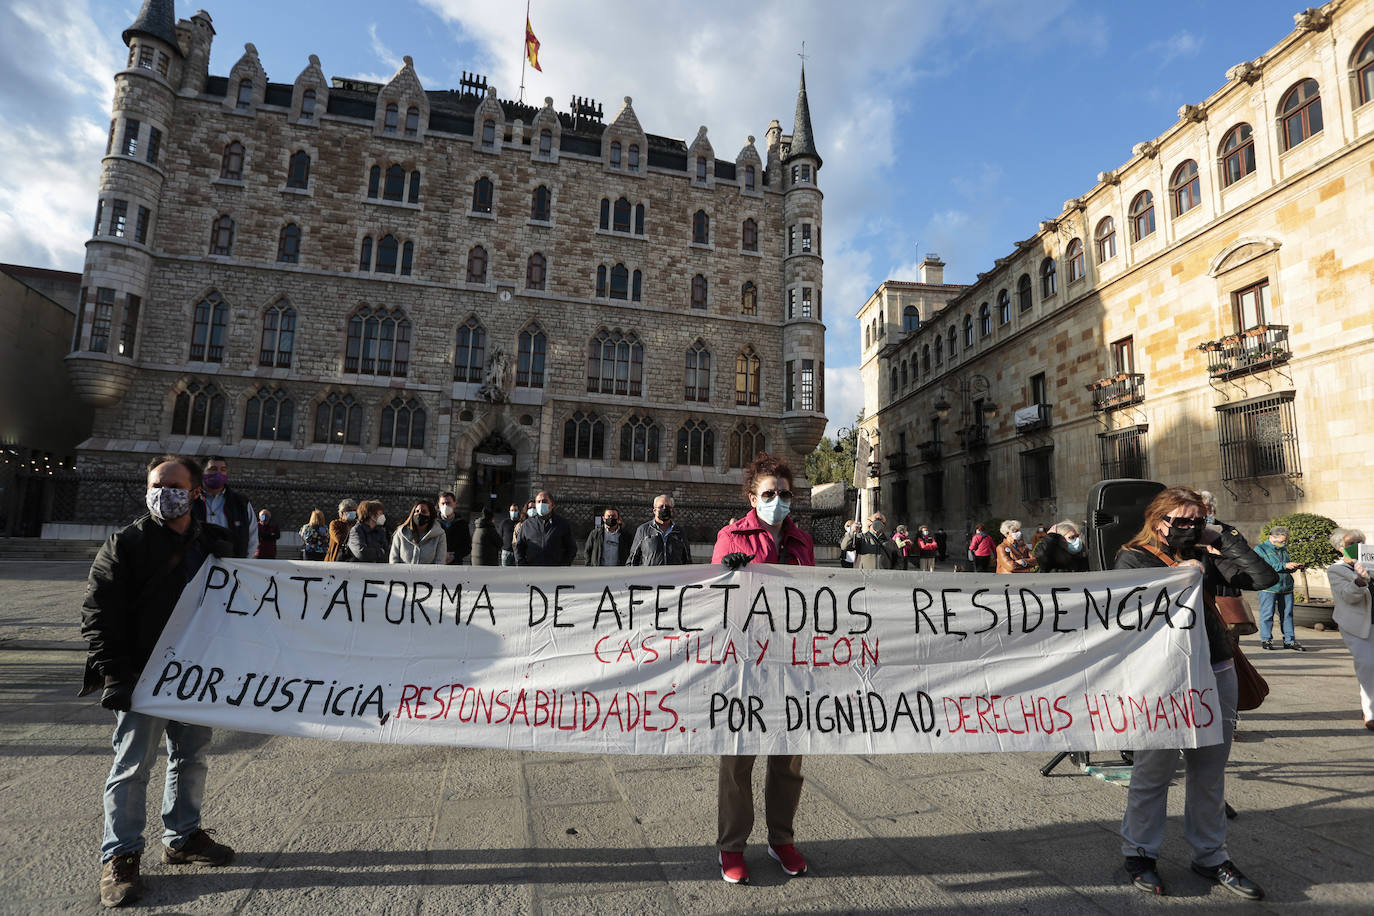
{"x": 803, "y": 143}
{"x": 157, "y": 19}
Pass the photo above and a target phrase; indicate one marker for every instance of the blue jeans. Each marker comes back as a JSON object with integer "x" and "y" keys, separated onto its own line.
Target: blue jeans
{"x": 136, "y": 738}
{"x": 507, "y": 558}
{"x": 1284, "y": 600}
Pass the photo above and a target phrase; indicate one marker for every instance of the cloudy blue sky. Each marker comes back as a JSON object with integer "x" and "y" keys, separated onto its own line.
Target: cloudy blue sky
{"x": 948, "y": 126}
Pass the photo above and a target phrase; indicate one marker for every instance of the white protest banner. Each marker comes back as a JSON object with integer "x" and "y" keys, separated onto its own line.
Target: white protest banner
{"x": 690, "y": 659}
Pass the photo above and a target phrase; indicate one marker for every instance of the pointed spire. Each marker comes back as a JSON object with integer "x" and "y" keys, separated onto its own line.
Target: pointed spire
{"x": 157, "y": 19}
{"x": 803, "y": 144}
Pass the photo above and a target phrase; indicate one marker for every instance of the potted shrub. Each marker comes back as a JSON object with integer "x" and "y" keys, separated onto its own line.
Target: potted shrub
{"x": 1309, "y": 545}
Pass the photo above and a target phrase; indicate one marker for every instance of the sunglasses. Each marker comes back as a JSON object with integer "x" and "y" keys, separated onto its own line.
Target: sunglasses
{"x": 1184, "y": 522}
{"x": 768, "y": 495}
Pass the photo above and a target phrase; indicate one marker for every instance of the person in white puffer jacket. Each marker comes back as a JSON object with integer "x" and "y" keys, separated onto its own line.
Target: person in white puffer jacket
{"x": 419, "y": 541}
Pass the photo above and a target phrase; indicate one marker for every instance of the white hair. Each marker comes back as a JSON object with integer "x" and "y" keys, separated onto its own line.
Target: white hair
{"x": 1010, "y": 525}
{"x": 1342, "y": 537}
{"x": 1066, "y": 526}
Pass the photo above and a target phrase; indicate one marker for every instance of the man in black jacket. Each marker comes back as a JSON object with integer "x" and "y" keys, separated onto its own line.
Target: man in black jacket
{"x": 873, "y": 549}
{"x": 455, "y": 525}
{"x": 607, "y": 544}
{"x": 221, "y": 505}
{"x": 507, "y": 531}
{"x": 660, "y": 542}
{"x": 135, "y": 582}
{"x": 546, "y": 539}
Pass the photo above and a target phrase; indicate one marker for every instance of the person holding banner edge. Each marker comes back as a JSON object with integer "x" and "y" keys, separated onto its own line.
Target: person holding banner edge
{"x": 1175, "y": 533}
{"x": 768, "y": 534}
{"x": 135, "y": 582}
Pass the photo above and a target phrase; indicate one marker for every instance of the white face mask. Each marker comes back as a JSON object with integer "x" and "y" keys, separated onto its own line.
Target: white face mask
{"x": 446, "y": 511}
{"x": 772, "y": 511}
{"x": 381, "y": 519}
{"x": 530, "y": 512}
{"x": 1016, "y": 535}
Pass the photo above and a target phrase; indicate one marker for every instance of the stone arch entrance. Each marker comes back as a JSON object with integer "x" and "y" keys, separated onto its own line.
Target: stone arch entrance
{"x": 493, "y": 474}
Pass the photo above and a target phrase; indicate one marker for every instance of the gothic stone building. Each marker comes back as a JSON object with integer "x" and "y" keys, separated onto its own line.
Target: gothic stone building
{"x": 362, "y": 288}
{"x": 1203, "y": 314}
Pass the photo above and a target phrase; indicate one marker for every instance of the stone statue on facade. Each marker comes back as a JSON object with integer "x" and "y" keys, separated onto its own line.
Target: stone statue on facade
{"x": 497, "y": 379}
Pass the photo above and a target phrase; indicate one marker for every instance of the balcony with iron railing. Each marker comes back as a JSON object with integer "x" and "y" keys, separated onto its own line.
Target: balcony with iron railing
{"x": 1120, "y": 390}
{"x": 930, "y": 451}
{"x": 974, "y": 436}
{"x": 896, "y": 461}
{"x": 1032, "y": 419}
{"x": 1260, "y": 347}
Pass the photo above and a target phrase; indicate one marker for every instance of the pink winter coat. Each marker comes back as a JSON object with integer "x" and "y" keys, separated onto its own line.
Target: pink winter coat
{"x": 748, "y": 535}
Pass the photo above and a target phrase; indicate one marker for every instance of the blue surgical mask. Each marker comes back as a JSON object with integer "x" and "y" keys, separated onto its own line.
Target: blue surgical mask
{"x": 772, "y": 511}
{"x": 514, "y": 514}
{"x": 530, "y": 512}
{"x": 543, "y": 508}
{"x": 350, "y": 516}
{"x": 1075, "y": 545}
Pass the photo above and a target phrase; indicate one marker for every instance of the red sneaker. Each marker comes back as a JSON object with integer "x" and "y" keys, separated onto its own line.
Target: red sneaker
{"x": 733, "y": 869}
{"x": 788, "y": 857}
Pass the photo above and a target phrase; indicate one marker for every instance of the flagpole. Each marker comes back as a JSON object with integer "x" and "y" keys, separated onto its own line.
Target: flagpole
{"x": 524, "y": 51}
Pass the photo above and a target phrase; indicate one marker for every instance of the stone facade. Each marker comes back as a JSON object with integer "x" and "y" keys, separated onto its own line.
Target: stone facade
{"x": 457, "y": 217}
{"x": 1221, "y": 339}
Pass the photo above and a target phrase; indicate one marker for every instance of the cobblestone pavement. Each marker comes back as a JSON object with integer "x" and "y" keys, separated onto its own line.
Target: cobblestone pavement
{"x": 324, "y": 827}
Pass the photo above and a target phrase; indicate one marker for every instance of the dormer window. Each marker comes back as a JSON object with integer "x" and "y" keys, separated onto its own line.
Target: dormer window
{"x": 488, "y": 134}
{"x": 412, "y": 121}
{"x": 634, "y": 157}
{"x": 615, "y": 154}
{"x": 393, "y": 113}
{"x": 245, "y": 98}
{"x": 308, "y": 105}
{"x": 546, "y": 144}
{"x": 748, "y": 178}
{"x": 701, "y": 170}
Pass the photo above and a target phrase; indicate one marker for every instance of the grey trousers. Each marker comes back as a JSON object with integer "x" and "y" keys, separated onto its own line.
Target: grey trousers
{"x": 1204, "y": 804}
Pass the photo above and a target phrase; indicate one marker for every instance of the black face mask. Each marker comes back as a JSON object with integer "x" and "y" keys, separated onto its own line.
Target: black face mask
{"x": 664, "y": 512}
{"x": 1181, "y": 539}
{"x": 421, "y": 521}
{"x": 610, "y": 522}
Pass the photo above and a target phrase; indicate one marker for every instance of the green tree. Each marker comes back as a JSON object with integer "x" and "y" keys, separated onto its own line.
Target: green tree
{"x": 1309, "y": 542}
{"x": 832, "y": 461}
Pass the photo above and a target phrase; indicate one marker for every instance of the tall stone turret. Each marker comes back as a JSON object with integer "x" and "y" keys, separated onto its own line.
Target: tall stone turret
{"x": 119, "y": 259}
{"x": 803, "y": 333}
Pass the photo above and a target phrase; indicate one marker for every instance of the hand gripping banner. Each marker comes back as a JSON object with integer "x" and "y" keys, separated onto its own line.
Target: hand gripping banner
{"x": 690, "y": 659}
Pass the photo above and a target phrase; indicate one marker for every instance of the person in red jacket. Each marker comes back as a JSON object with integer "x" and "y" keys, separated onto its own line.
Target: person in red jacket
{"x": 766, "y": 535}
{"x": 926, "y": 547}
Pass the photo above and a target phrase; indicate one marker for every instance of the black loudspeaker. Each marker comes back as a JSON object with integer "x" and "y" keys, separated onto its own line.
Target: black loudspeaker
{"x": 1116, "y": 512}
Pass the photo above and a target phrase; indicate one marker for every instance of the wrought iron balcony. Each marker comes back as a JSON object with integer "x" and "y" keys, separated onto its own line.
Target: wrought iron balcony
{"x": 1261, "y": 347}
{"x": 974, "y": 436}
{"x": 930, "y": 451}
{"x": 1032, "y": 419}
{"x": 896, "y": 461}
{"x": 1120, "y": 390}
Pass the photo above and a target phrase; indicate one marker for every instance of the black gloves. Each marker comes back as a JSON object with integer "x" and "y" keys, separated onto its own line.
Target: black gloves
{"x": 736, "y": 561}
{"x": 117, "y": 696}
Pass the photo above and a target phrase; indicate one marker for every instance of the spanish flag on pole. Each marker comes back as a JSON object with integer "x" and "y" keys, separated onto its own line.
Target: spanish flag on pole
{"x": 531, "y": 45}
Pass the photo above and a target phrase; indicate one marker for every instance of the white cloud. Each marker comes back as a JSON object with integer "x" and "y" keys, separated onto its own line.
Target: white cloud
{"x": 844, "y": 396}
{"x": 1181, "y": 44}
{"x": 394, "y": 61}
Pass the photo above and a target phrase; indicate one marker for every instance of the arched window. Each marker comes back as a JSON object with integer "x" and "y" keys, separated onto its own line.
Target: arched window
{"x": 615, "y": 154}
{"x": 298, "y": 172}
{"x": 546, "y": 144}
{"x": 701, "y": 170}
{"x": 365, "y": 254}
{"x": 939, "y": 351}
{"x": 634, "y": 157}
{"x": 868, "y": 340}
{"x": 903, "y": 376}
{"x": 748, "y": 376}
{"x": 636, "y": 286}
{"x": 488, "y": 134}
{"x": 244, "y": 101}
{"x": 925, "y": 360}
{"x": 412, "y": 121}
{"x": 289, "y": 244}
{"x": 403, "y": 424}
{"x": 696, "y": 444}
{"x": 985, "y": 318}
{"x": 1300, "y": 113}
{"x": 1237, "y": 154}
{"x": 222, "y": 235}
{"x": 968, "y": 329}
{"x": 378, "y": 342}
{"x": 393, "y": 112}
{"x": 1106, "y": 239}
{"x": 605, "y": 213}
{"x": 199, "y": 411}
{"x": 601, "y": 281}
{"x": 749, "y": 298}
{"x": 911, "y": 318}
{"x": 620, "y": 282}
{"x": 1024, "y": 299}
{"x": 374, "y": 181}
{"x": 953, "y": 337}
{"x": 414, "y": 196}
{"x": 701, "y": 228}
{"x": 1073, "y": 255}
{"x": 1142, "y": 216}
{"x": 278, "y": 336}
{"x": 639, "y": 219}
{"x": 1049, "y": 280}
{"x": 269, "y": 415}
{"x": 536, "y": 272}
{"x": 470, "y": 360}
{"x": 529, "y": 365}
{"x": 338, "y": 420}
{"x": 696, "y": 381}
{"x": 584, "y": 436}
{"x": 892, "y": 379}
{"x": 1003, "y": 307}
{"x": 208, "y": 324}
{"x": 1363, "y": 66}
{"x": 541, "y": 204}
{"x": 477, "y": 265}
{"x": 407, "y": 258}
{"x": 749, "y": 235}
{"x": 231, "y": 164}
{"x": 621, "y": 221}
{"x": 699, "y": 292}
{"x": 481, "y": 195}
{"x": 388, "y": 250}
{"x": 308, "y": 105}
{"x": 615, "y": 364}
{"x": 395, "y": 186}
{"x": 1185, "y": 188}
{"x": 746, "y": 441}
{"x": 639, "y": 437}
{"x": 748, "y": 178}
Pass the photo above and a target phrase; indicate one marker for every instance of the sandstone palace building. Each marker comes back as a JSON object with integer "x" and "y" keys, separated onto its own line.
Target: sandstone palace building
{"x": 352, "y": 286}
{"x": 1203, "y": 314}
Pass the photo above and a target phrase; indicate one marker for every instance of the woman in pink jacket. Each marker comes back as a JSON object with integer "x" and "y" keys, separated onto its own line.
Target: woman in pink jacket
{"x": 766, "y": 535}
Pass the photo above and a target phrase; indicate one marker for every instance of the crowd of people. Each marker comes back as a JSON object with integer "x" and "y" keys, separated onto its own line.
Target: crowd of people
{"x": 139, "y": 574}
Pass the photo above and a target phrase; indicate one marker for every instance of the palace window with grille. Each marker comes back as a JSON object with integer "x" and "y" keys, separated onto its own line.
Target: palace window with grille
{"x": 1123, "y": 453}
{"x": 1037, "y": 474}
{"x": 1259, "y": 438}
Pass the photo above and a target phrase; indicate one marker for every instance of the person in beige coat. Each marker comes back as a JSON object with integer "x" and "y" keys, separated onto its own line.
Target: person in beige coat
{"x": 419, "y": 541}
{"x": 1351, "y": 589}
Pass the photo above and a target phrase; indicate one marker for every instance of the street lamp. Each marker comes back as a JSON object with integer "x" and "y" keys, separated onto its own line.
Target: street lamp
{"x": 974, "y": 384}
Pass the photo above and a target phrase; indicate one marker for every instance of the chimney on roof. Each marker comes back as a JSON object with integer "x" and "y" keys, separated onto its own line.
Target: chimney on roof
{"x": 932, "y": 270}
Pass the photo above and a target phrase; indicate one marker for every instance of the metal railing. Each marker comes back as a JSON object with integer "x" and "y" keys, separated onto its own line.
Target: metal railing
{"x": 1118, "y": 391}
{"x": 930, "y": 451}
{"x": 1250, "y": 351}
{"x": 1041, "y": 420}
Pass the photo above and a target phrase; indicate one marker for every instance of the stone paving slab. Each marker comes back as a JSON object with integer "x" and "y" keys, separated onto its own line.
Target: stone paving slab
{"x": 329, "y": 827}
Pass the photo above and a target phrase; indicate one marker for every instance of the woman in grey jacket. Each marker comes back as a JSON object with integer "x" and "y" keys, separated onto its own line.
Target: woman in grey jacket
{"x": 419, "y": 541}
{"x": 1351, "y": 587}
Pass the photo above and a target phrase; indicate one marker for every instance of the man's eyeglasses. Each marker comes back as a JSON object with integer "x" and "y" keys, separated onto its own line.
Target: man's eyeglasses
{"x": 1184, "y": 522}
{"x": 768, "y": 495}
